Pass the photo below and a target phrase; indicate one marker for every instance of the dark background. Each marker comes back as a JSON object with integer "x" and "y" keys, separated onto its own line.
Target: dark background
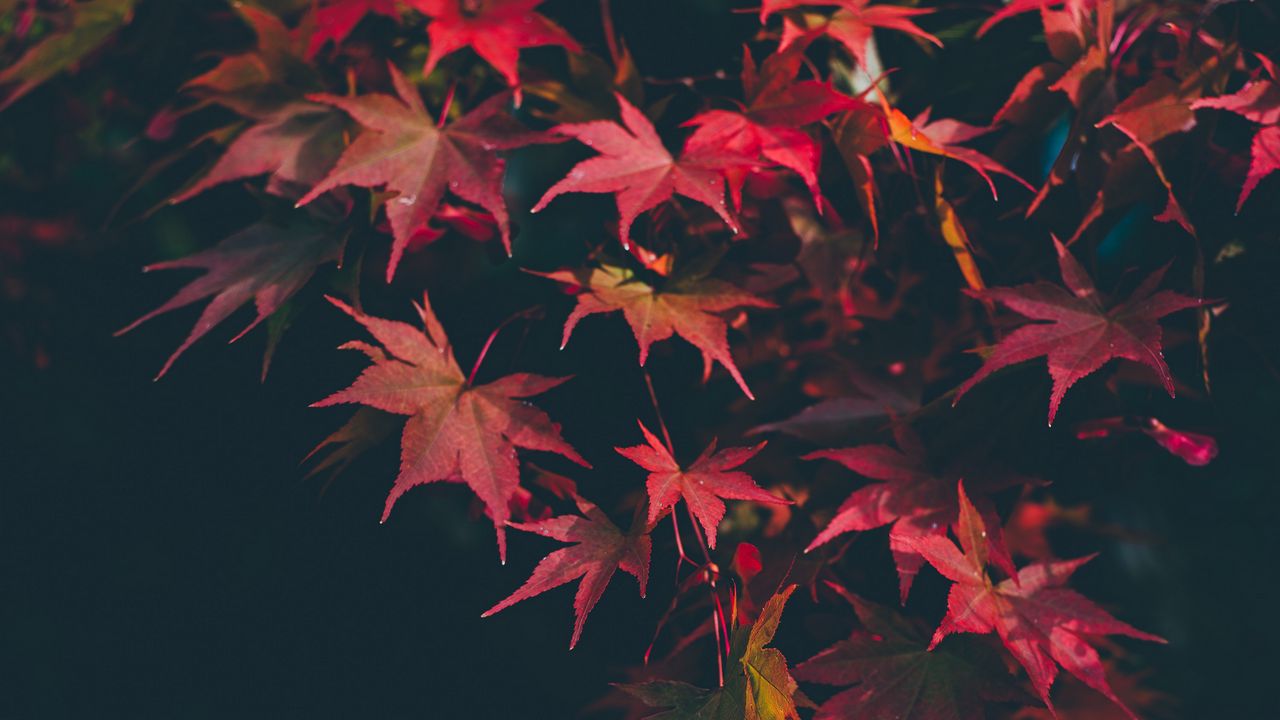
{"x": 162, "y": 553}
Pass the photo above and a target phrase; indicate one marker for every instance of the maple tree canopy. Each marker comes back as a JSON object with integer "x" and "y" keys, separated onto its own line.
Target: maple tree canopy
{"x": 752, "y": 302}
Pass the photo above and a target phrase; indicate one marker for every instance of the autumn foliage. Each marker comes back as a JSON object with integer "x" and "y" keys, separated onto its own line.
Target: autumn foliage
{"x": 874, "y": 281}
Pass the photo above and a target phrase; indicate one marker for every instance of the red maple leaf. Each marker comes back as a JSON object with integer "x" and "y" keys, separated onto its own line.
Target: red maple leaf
{"x": 495, "y": 29}
{"x": 335, "y": 19}
{"x": 296, "y": 145}
{"x": 852, "y": 23}
{"x": 258, "y": 79}
{"x": 1018, "y": 7}
{"x": 292, "y": 140}
{"x": 634, "y": 164}
{"x": 683, "y": 306}
{"x": 747, "y": 563}
{"x": 265, "y": 263}
{"x": 1078, "y": 42}
{"x": 404, "y": 151}
{"x": 1040, "y": 622}
{"x": 472, "y": 224}
{"x": 1259, "y": 101}
{"x": 942, "y": 137}
{"x": 456, "y": 430}
{"x": 1158, "y": 109}
{"x": 1080, "y": 333}
{"x": 364, "y": 430}
{"x": 770, "y": 127}
{"x": 911, "y": 496}
{"x": 1194, "y": 448}
{"x": 701, "y": 485}
{"x": 858, "y": 133}
{"x": 600, "y": 550}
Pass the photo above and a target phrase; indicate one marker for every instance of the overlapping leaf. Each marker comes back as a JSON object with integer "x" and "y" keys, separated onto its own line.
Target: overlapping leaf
{"x": 456, "y": 430}
{"x": 858, "y": 134}
{"x": 1078, "y": 41}
{"x": 496, "y": 30}
{"x": 852, "y": 23}
{"x": 1157, "y": 110}
{"x": 257, "y": 82}
{"x": 911, "y": 496}
{"x": 683, "y": 306}
{"x": 896, "y": 676}
{"x": 365, "y": 429}
{"x": 943, "y": 138}
{"x": 404, "y": 151}
{"x": 835, "y": 418}
{"x": 295, "y": 145}
{"x": 335, "y": 19}
{"x": 1258, "y": 101}
{"x": 777, "y": 108}
{"x": 635, "y": 165}
{"x": 1018, "y": 7}
{"x": 92, "y": 23}
{"x": 1043, "y": 624}
{"x": 293, "y": 141}
{"x": 702, "y": 484}
{"x": 599, "y": 550}
{"x": 1079, "y": 334}
{"x": 265, "y": 263}
{"x": 757, "y": 683}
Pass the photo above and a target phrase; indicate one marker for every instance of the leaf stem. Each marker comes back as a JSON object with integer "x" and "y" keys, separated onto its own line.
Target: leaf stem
{"x": 448, "y": 103}
{"x": 675, "y": 527}
{"x": 610, "y": 37}
{"x": 720, "y": 618}
{"x": 717, "y": 614}
{"x": 720, "y": 632}
{"x": 657, "y": 410}
{"x": 493, "y": 336}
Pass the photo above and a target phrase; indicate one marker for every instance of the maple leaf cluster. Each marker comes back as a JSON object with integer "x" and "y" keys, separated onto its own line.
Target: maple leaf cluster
{"x": 784, "y": 224}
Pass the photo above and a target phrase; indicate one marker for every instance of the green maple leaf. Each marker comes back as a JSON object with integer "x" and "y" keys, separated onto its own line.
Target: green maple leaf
{"x": 757, "y": 683}
{"x": 92, "y": 23}
{"x": 893, "y": 673}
